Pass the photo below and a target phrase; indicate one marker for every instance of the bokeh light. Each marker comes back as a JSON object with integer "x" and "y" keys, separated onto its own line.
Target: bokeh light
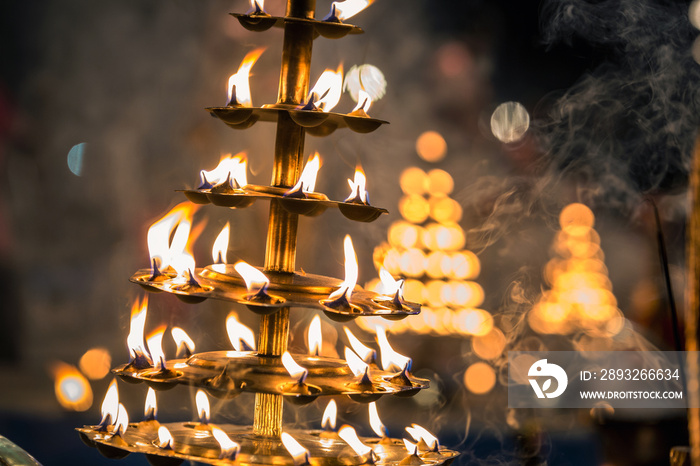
{"x": 413, "y": 180}
{"x": 431, "y": 146}
{"x": 576, "y": 219}
{"x": 479, "y": 378}
{"x": 72, "y": 389}
{"x": 509, "y": 122}
{"x": 440, "y": 182}
{"x": 367, "y": 77}
{"x": 414, "y": 208}
{"x": 491, "y": 345}
{"x": 95, "y": 363}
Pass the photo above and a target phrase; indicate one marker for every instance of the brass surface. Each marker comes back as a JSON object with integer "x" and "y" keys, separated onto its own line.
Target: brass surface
{"x": 692, "y": 305}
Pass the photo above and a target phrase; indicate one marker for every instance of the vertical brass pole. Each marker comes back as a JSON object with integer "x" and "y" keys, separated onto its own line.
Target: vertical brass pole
{"x": 692, "y": 305}
{"x": 280, "y": 251}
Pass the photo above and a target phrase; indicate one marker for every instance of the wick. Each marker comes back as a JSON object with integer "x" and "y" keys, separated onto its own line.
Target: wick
{"x": 233, "y": 102}
{"x": 156, "y": 270}
{"x": 311, "y": 104}
{"x": 203, "y": 181}
{"x": 331, "y": 17}
{"x": 297, "y": 193}
{"x": 191, "y": 281}
{"x": 365, "y": 380}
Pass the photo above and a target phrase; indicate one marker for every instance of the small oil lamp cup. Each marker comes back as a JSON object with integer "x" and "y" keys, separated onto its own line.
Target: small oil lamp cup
{"x": 341, "y": 304}
{"x": 157, "y": 460}
{"x": 300, "y": 393}
{"x": 366, "y": 387}
{"x": 331, "y": 17}
{"x": 263, "y": 303}
{"x": 222, "y": 386}
{"x": 114, "y": 452}
{"x": 192, "y": 286}
{"x": 402, "y": 379}
{"x": 230, "y": 186}
{"x": 360, "y": 112}
{"x": 256, "y": 21}
{"x": 411, "y": 460}
{"x": 395, "y": 303}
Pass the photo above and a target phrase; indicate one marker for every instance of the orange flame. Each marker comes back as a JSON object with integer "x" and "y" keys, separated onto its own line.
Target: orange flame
{"x": 254, "y": 279}
{"x": 150, "y": 409}
{"x": 348, "y": 434}
{"x": 364, "y": 102}
{"x": 357, "y": 365}
{"x": 220, "y": 247}
{"x": 390, "y": 358}
{"x": 238, "y": 332}
{"x": 307, "y": 180}
{"x": 238, "y": 84}
{"x": 420, "y": 433}
{"x": 229, "y": 448}
{"x": 328, "y": 89}
{"x": 315, "y": 336}
{"x": 159, "y": 233}
{"x": 165, "y": 439}
{"x": 202, "y": 403}
{"x": 330, "y": 415}
{"x": 110, "y": 404}
{"x": 300, "y": 455}
{"x": 374, "y": 420}
{"x": 234, "y": 168}
{"x": 295, "y": 370}
{"x": 183, "y": 341}
{"x": 72, "y": 389}
{"x": 351, "y": 271}
{"x": 155, "y": 347}
{"x": 348, "y": 8}
{"x": 358, "y": 192}
{"x": 365, "y": 352}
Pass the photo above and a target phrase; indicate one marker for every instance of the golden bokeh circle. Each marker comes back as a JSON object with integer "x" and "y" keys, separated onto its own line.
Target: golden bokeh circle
{"x": 431, "y": 146}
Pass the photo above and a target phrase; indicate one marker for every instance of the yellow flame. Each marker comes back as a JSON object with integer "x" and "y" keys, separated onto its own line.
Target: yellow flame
{"x": 218, "y": 174}
{"x": 330, "y": 415}
{"x": 237, "y": 332}
{"x": 295, "y": 370}
{"x": 235, "y": 168}
{"x": 307, "y": 180}
{"x": 239, "y": 80}
{"x": 358, "y": 186}
{"x": 122, "y": 422}
{"x": 300, "y": 455}
{"x": 328, "y": 89}
{"x": 203, "y": 409}
{"x": 165, "y": 439}
{"x": 315, "y": 336}
{"x": 181, "y": 259}
{"x": 351, "y": 271}
{"x": 348, "y": 434}
{"x": 420, "y": 433}
{"x": 229, "y": 448}
{"x": 254, "y": 279}
{"x": 151, "y": 406}
{"x": 363, "y": 351}
{"x": 110, "y": 404}
{"x": 349, "y": 8}
{"x": 357, "y": 365}
{"x": 364, "y": 101}
{"x": 374, "y": 420}
{"x": 220, "y": 248}
{"x": 411, "y": 448}
{"x": 389, "y": 285}
{"x": 182, "y": 340}
{"x": 134, "y": 340}
{"x": 72, "y": 389}
{"x": 390, "y": 358}
{"x": 159, "y": 233}
{"x": 155, "y": 347}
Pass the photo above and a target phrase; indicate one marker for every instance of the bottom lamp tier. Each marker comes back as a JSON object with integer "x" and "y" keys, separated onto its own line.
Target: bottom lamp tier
{"x": 195, "y": 442}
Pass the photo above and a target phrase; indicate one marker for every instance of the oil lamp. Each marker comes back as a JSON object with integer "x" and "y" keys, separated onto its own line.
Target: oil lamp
{"x": 366, "y": 454}
{"x": 238, "y": 83}
{"x": 241, "y": 337}
{"x": 368, "y": 355}
{"x": 229, "y": 448}
{"x": 340, "y": 298}
{"x": 257, "y": 283}
{"x": 328, "y": 421}
{"x": 185, "y": 345}
{"x": 315, "y": 342}
{"x": 150, "y": 409}
{"x": 300, "y": 455}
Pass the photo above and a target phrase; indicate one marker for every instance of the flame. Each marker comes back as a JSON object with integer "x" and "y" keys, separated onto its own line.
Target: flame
{"x": 110, "y": 405}
{"x": 180, "y": 258}
{"x": 348, "y": 434}
{"x": 182, "y": 340}
{"x": 237, "y": 332}
{"x": 300, "y": 455}
{"x": 389, "y": 356}
{"x": 358, "y": 193}
{"x": 364, "y": 102}
{"x": 159, "y": 233}
{"x": 374, "y": 420}
{"x": 329, "y": 415}
{"x": 234, "y": 168}
{"x": 229, "y": 448}
{"x": 328, "y": 89}
{"x": 365, "y": 352}
{"x": 155, "y": 347}
{"x": 411, "y": 448}
{"x": 72, "y": 389}
{"x": 420, "y": 433}
{"x": 239, "y": 80}
{"x": 150, "y": 409}
{"x": 315, "y": 336}
{"x": 239, "y": 169}
{"x": 348, "y": 8}
{"x": 389, "y": 285}
{"x": 357, "y": 365}
{"x": 295, "y": 370}
{"x": 122, "y": 422}
{"x": 351, "y": 271}
{"x": 255, "y": 280}
{"x": 165, "y": 439}
{"x": 202, "y": 403}
{"x": 220, "y": 248}
{"x": 257, "y": 6}
{"x": 307, "y": 180}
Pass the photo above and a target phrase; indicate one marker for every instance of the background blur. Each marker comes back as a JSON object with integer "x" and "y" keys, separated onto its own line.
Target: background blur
{"x": 611, "y": 89}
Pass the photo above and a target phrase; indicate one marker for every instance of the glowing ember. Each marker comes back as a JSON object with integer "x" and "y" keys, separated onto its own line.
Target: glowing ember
{"x": 229, "y": 448}
{"x": 375, "y": 422}
{"x": 315, "y": 336}
{"x": 330, "y": 415}
{"x": 165, "y": 439}
{"x": 110, "y": 405}
{"x": 295, "y": 370}
{"x": 238, "y": 85}
{"x": 202, "y": 403}
{"x": 358, "y": 193}
{"x": 159, "y": 234}
{"x": 185, "y": 345}
{"x": 307, "y": 180}
{"x": 122, "y": 422}
{"x": 72, "y": 389}
{"x": 155, "y": 347}
{"x": 351, "y": 271}
{"x": 150, "y": 410}
{"x": 327, "y": 91}
{"x": 348, "y": 434}
{"x": 411, "y": 448}
{"x": 300, "y": 455}
{"x": 220, "y": 247}
{"x": 341, "y": 11}
{"x": 390, "y": 358}
{"x": 237, "y": 333}
{"x": 255, "y": 280}
{"x": 357, "y": 365}
{"x": 366, "y": 353}
{"x": 389, "y": 285}
{"x": 420, "y": 433}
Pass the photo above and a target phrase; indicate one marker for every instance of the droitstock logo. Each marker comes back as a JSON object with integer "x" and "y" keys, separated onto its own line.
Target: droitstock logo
{"x": 542, "y": 370}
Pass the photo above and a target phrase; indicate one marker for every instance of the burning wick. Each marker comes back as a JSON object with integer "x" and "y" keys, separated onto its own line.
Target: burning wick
{"x": 326, "y": 92}
{"x": 392, "y": 287}
{"x": 295, "y": 370}
{"x": 160, "y": 250}
{"x": 228, "y": 166}
{"x": 257, "y": 9}
{"x": 364, "y": 101}
{"x": 229, "y": 448}
{"x": 220, "y": 247}
{"x": 122, "y": 422}
{"x": 358, "y": 193}
{"x": 368, "y": 355}
{"x": 348, "y": 434}
{"x": 238, "y": 83}
{"x": 151, "y": 408}
{"x": 165, "y": 439}
{"x": 256, "y": 282}
{"x": 412, "y": 458}
{"x": 300, "y": 455}
{"x": 358, "y": 367}
{"x": 307, "y": 180}
{"x": 390, "y": 358}
{"x": 344, "y": 10}
{"x": 203, "y": 410}
{"x": 376, "y": 422}
{"x": 138, "y": 356}
{"x": 185, "y": 345}
{"x": 109, "y": 408}
{"x": 330, "y": 415}
{"x": 241, "y": 337}
{"x": 155, "y": 347}
{"x": 315, "y": 336}
{"x": 340, "y": 298}
{"x": 425, "y": 439}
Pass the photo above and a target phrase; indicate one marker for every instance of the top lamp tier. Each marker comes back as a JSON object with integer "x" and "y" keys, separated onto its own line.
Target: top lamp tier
{"x": 329, "y": 29}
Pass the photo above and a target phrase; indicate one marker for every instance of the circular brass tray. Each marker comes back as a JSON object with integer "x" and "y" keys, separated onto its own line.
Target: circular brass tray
{"x": 193, "y": 442}
{"x": 328, "y": 29}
